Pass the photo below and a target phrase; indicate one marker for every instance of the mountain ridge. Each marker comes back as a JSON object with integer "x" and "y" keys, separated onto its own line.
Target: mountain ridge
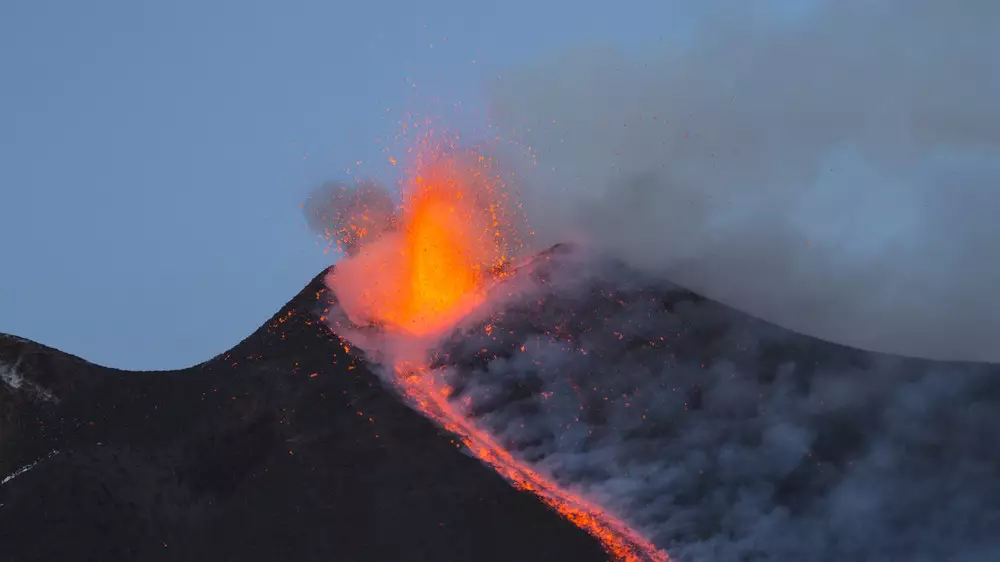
{"x": 283, "y": 447}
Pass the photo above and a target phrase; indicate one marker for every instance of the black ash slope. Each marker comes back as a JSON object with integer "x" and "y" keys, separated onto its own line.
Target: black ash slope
{"x": 726, "y": 438}
{"x": 284, "y": 448}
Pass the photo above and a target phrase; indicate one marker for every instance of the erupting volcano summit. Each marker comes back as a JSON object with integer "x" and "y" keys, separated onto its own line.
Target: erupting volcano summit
{"x": 455, "y": 236}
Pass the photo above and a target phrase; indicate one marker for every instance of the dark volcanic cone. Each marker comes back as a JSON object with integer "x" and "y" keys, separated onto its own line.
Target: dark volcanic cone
{"x": 718, "y": 436}
{"x": 283, "y": 448}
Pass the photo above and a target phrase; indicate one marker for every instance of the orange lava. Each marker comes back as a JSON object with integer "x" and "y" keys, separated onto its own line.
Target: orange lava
{"x": 456, "y": 230}
{"x": 451, "y": 243}
{"x": 621, "y": 542}
{"x": 458, "y": 227}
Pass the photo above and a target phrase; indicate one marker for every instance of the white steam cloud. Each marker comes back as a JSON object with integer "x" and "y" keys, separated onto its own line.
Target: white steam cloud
{"x": 837, "y": 172}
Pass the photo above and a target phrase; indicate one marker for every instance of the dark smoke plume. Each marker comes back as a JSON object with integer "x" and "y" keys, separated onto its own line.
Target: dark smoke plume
{"x": 835, "y": 169}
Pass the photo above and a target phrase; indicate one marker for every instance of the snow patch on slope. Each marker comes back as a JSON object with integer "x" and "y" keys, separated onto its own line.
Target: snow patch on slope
{"x": 11, "y": 376}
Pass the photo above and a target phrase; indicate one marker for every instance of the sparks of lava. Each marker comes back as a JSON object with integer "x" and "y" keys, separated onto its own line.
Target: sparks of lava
{"x": 456, "y": 230}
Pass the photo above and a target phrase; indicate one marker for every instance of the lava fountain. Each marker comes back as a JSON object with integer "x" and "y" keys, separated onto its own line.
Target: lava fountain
{"x": 456, "y": 229}
{"x": 455, "y": 232}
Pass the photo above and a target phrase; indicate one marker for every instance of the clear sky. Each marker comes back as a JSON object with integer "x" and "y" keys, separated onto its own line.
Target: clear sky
{"x": 153, "y": 155}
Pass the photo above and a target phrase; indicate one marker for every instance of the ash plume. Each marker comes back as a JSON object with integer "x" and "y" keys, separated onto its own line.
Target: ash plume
{"x": 349, "y": 215}
{"x": 830, "y": 166}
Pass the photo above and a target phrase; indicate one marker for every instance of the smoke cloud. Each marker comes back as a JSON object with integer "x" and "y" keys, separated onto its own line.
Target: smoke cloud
{"x": 349, "y": 215}
{"x": 834, "y": 169}
{"x": 726, "y": 438}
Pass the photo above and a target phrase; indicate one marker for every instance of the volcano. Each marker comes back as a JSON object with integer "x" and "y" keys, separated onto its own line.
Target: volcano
{"x": 714, "y": 434}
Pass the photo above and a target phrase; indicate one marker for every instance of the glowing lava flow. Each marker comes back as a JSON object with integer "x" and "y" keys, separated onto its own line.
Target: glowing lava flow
{"x": 621, "y": 542}
{"x": 457, "y": 229}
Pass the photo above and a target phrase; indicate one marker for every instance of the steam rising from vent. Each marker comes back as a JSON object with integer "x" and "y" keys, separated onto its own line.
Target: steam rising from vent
{"x": 833, "y": 166}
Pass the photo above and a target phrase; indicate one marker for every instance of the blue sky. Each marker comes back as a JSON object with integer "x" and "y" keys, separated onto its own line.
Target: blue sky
{"x": 153, "y": 155}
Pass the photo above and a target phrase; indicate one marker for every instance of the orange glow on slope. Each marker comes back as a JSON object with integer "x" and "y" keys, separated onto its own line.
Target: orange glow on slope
{"x": 621, "y": 542}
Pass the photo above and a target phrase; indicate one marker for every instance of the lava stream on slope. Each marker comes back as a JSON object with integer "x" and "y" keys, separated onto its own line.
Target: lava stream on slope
{"x": 420, "y": 388}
